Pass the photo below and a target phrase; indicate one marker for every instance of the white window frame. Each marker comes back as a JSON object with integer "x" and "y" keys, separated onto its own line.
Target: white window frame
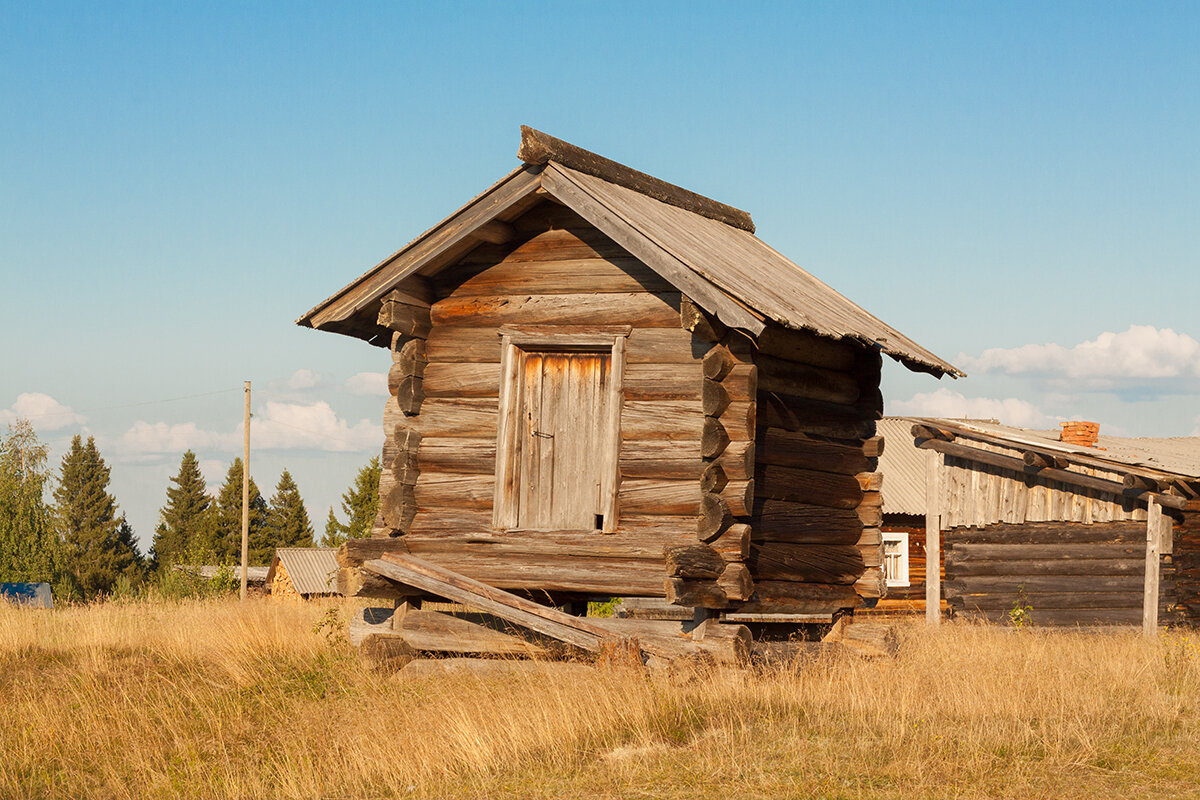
{"x": 515, "y": 342}
{"x": 903, "y": 578}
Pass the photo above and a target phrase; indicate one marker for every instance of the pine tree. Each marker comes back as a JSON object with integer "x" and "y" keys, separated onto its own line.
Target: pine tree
{"x": 360, "y": 504}
{"x": 185, "y": 522}
{"x": 85, "y": 517}
{"x": 224, "y": 544}
{"x": 287, "y": 523}
{"x": 29, "y": 550}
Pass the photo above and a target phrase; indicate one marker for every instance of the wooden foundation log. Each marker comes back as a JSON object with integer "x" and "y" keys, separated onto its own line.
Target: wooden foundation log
{"x": 790, "y": 597}
{"x": 807, "y": 348}
{"x": 806, "y": 563}
{"x": 714, "y": 438}
{"x": 807, "y": 486}
{"x": 385, "y": 653}
{"x": 734, "y": 543}
{"x": 695, "y": 561}
{"x": 736, "y": 582}
{"x": 791, "y": 449}
{"x": 723, "y": 643}
{"x": 800, "y": 523}
{"x": 715, "y": 517}
{"x": 697, "y": 594}
{"x": 435, "y": 632}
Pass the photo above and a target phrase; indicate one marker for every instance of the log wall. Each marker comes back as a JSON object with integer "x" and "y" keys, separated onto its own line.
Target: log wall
{"x": 1064, "y": 573}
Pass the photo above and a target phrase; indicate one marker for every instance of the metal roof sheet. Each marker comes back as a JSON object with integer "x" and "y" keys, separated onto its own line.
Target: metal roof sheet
{"x": 903, "y": 468}
{"x": 312, "y": 570}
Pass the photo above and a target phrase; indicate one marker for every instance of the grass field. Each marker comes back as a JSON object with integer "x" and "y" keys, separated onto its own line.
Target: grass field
{"x": 214, "y": 699}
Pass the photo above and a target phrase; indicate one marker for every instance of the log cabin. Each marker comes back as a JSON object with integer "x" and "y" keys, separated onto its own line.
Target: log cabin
{"x": 602, "y": 384}
{"x": 1068, "y": 527}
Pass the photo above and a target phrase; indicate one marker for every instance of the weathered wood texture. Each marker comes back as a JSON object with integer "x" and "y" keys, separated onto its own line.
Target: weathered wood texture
{"x": 1064, "y": 574}
{"x": 1185, "y": 563}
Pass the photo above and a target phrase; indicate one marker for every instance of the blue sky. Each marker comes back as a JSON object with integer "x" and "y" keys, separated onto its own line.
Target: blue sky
{"x": 1016, "y": 186}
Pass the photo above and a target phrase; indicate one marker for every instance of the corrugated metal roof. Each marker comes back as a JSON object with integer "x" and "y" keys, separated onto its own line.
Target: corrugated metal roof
{"x": 903, "y": 468}
{"x": 731, "y": 272}
{"x": 313, "y": 570}
{"x": 903, "y": 464}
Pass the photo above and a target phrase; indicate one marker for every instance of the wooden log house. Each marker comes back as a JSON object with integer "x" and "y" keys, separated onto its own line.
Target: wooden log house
{"x": 1071, "y": 527}
{"x": 605, "y": 385}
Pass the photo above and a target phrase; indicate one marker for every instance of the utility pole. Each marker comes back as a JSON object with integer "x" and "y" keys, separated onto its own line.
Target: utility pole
{"x": 245, "y": 488}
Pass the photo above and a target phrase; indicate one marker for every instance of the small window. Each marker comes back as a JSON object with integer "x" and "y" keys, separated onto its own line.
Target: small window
{"x": 895, "y": 558}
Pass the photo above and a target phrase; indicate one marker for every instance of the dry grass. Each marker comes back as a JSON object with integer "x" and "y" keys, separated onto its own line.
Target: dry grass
{"x": 213, "y": 699}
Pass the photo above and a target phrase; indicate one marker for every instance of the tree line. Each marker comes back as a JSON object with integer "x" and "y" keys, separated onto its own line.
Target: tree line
{"x": 67, "y": 529}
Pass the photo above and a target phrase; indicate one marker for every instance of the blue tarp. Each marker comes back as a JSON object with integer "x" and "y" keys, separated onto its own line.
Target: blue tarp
{"x": 34, "y": 595}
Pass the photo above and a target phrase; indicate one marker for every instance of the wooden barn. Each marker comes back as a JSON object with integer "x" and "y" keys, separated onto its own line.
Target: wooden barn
{"x": 1069, "y": 526}
{"x": 605, "y": 385}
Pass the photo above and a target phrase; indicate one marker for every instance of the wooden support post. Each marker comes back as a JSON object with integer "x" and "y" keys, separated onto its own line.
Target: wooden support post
{"x": 1150, "y": 591}
{"x": 245, "y": 492}
{"x": 933, "y": 540}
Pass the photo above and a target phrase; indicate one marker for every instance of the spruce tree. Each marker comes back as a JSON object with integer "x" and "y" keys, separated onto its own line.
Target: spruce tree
{"x": 86, "y": 520}
{"x": 224, "y": 545}
{"x": 360, "y": 504}
{"x": 287, "y": 523}
{"x": 29, "y": 550}
{"x": 185, "y": 521}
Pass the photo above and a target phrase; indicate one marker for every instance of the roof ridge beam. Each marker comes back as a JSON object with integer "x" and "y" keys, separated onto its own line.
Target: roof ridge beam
{"x": 542, "y": 148}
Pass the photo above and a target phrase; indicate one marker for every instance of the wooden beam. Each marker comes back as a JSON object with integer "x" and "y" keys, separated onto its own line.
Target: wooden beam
{"x": 1050, "y": 473}
{"x": 495, "y": 232}
{"x": 1150, "y": 587}
{"x": 541, "y": 148}
{"x": 933, "y": 540}
{"x": 1035, "y": 460}
{"x": 920, "y": 431}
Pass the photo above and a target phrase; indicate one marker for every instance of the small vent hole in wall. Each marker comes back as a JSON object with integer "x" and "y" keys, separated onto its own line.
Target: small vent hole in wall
{"x": 599, "y": 522}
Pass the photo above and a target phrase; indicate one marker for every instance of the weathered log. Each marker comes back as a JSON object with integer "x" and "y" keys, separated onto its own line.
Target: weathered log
{"x": 739, "y": 495}
{"x": 742, "y": 383}
{"x": 871, "y": 552}
{"x": 476, "y": 524}
{"x": 494, "y": 232}
{"x": 807, "y": 486}
{"x": 652, "y": 496}
{"x": 514, "y": 275}
{"x": 870, "y": 481}
{"x": 419, "y": 668}
{"x": 410, "y": 359}
{"x": 738, "y": 637}
{"x": 1032, "y": 584}
{"x": 455, "y": 489}
{"x": 1045, "y": 552}
{"x": 812, "y": 563}
{"x": 703, "y": 326}
{"x": 639, "y": 309}
{"x": 370, "y": 621}
{"x": 725, "y": 644}
{"x": 410, "y": 393}
{"x": 677, "y": 420}
{"x": 802, "y": 380}
{"x": 801, "y": 523}
{"x": 868, "y": 639}
{"x": 791, "y": 597}
{"x": 662, "y": 458}
{"x": 436, "y": 632}
{"x": 714, "y": 438}
{"x": 714, "y": 398}
{"x": 871, "y": 500}
{"x": 398, "y": 507}
{"x": 736, "y": 582}
{"x": 872, "y": 584}
{"x": 957, "y": 567}
{"x": 458, "y": 417}
{"x": 662, "y": 382}
{"x": 1065, "y": 617}
{"x": 792, "y": 449}
{"x": 400, "y": 316}
{"x": 542, "y": 546}
{"x": 697, "y": 594}
{"x": 739, "y": 420}
{"x": 357, "y": 582}
{"x": 715, "y": 517}
{"x": 871, "y": 537}
{"x": 873, "y": 447}
{"x": 819, "y": 419}
{"x": 870, "y": 515}
{"x": 452, "y": 379}
{"x": 734, "y": 543}
{"x": 927, "y": 431}
{"x": 404, "y": 468}
{"x": 718, "y": 362}
{"x": 385, "y": 653}
{"x": 1116, "y": 532}
{"x": 353, "y": 552}
{"x": 1143, "y": 483}
{"x": 482, "y": 345}
{"x": 738, "y": 460}
{"x": 713, "y": 479}
{"x": 406, "y": 437}
{"x": 462, "y": 455}
{"x": 1048, "y": 601}
{"x": 806, "y": 348}
{"x": 695, "y": 561}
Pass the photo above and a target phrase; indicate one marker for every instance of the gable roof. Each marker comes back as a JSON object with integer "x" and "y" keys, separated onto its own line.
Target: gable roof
{"x": 704, "y": 248}
{"x": 312, "y": 570}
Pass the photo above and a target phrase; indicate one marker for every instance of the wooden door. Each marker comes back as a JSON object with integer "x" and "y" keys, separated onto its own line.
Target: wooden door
{"x": 565, "y": 464}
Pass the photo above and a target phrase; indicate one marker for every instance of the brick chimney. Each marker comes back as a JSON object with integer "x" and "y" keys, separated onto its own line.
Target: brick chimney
{"x": 1079, "y": 432}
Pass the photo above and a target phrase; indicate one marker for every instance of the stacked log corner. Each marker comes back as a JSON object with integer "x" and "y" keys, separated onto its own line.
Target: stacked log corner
{"x": 713, "y": 572}
{"x": 1185, "y": 564}
{"x": 816, "y": 541}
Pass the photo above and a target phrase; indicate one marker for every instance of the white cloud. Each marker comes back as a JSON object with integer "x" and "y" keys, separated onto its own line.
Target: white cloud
{"x": 303, "y": 379}
{"x": 214, "y": 471}
{"x": 950, "y": 404}
{"x": 275, "y": 426}
{"x": 372, "y": 384}
{"x": 1142, "y": 353}
{"x": 43, "y": 412}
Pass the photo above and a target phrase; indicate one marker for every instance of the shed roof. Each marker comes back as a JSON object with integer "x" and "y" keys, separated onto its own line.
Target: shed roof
{"x": 706, "y": 249}
{"x": 312, "y": 570}
{"x": 903, "y": 464}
